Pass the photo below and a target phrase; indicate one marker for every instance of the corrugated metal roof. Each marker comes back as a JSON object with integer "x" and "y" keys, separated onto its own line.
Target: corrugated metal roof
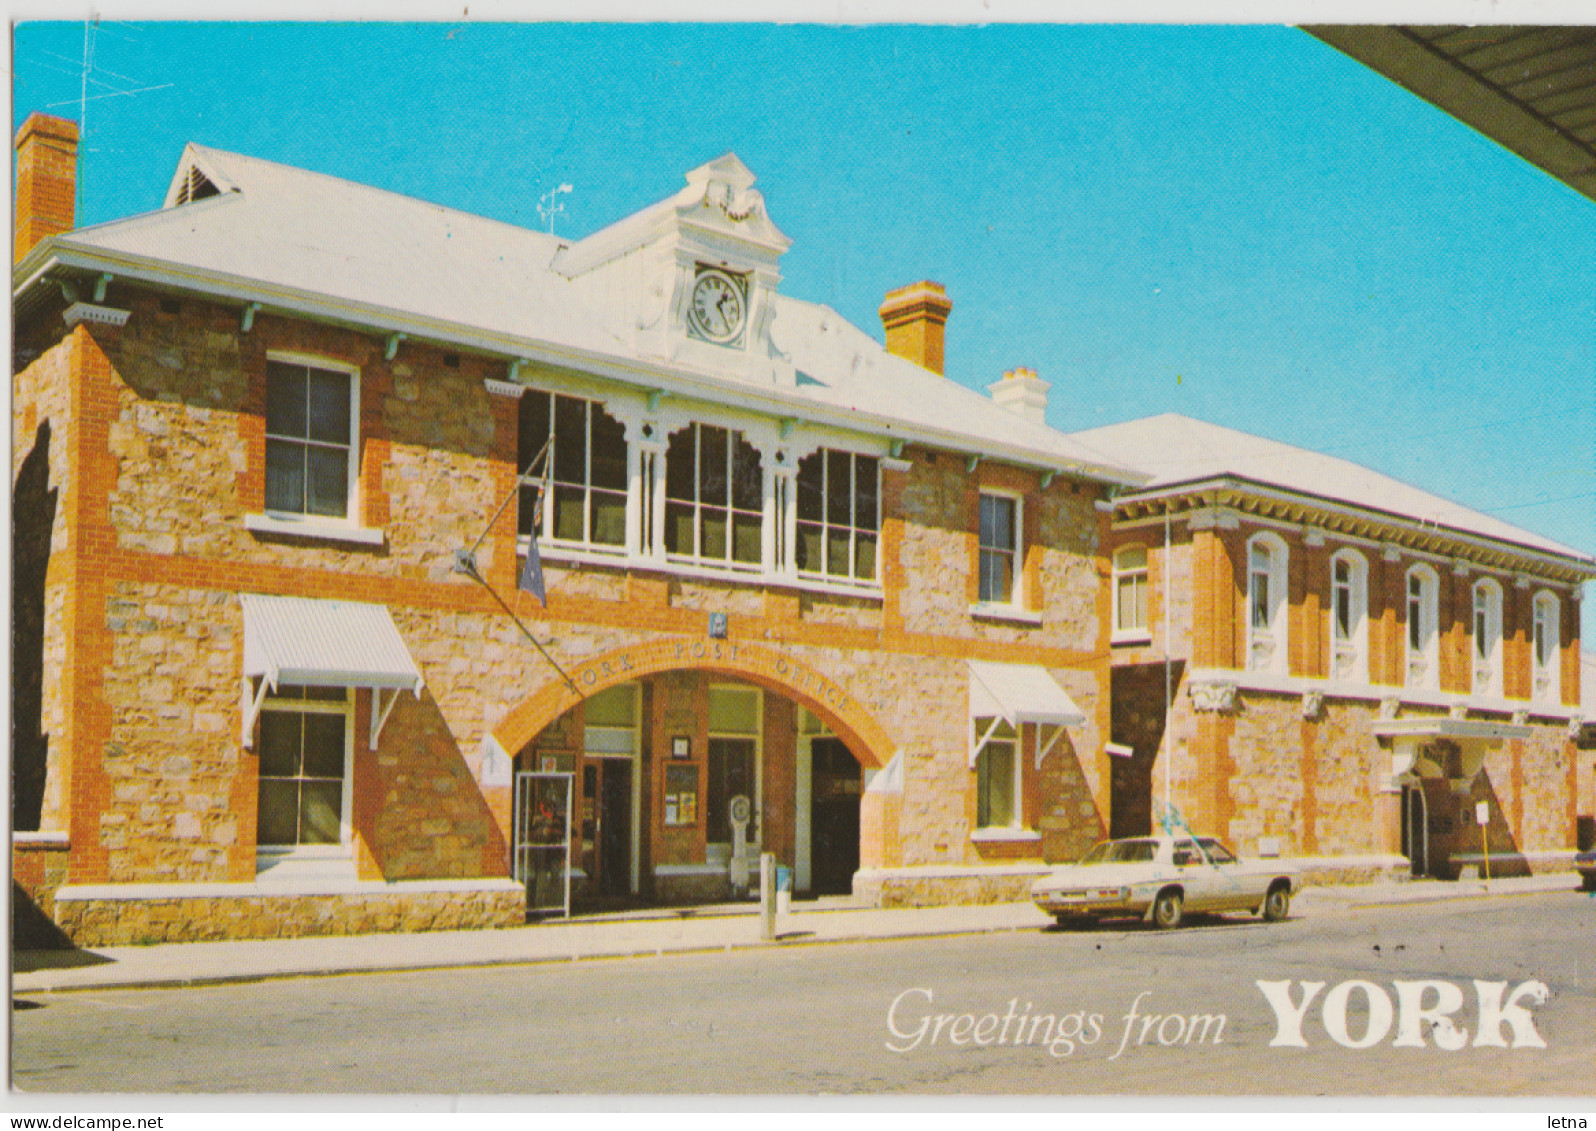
{"x": 1175, "y": 449}
{"x": 1529, "y": 89}
{"x": 325, "y": 644}
{"x": 289, "y": 230}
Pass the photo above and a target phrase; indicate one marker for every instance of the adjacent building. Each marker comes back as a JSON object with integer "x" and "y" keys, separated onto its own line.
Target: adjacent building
{"x": 279, "y": 671}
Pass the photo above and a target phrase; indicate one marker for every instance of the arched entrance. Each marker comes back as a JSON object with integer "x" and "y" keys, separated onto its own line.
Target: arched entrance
{"x": 665, "y": 737}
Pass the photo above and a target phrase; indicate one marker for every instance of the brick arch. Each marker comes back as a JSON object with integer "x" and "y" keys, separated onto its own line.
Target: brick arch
{"x": 766, "y": 667}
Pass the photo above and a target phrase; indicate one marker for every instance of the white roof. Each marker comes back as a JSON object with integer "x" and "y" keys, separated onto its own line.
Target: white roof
{"x": 289, "y": 234}
{"x": 315, "y": 643}
{"x": 1175, "y": 450}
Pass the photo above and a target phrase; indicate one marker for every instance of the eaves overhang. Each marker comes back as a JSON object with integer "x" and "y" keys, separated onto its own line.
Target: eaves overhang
{"x": 1338, "y": 516}
{"x": 1478, "y": 729}
{"x": 60, "y": 254}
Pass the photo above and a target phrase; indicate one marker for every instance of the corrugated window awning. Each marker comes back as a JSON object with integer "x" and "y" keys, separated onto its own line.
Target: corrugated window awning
{"x": 1015, "y": 694}
{"x": 317, "y": 643}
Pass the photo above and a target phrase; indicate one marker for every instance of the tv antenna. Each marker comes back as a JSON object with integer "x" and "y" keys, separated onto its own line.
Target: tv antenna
{"x": 550, "y": 205}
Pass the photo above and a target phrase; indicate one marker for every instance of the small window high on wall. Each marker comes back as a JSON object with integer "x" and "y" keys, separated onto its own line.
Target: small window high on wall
{"x": 1545, "y": 649}
{"x": 1487, "y": 638}
{"x": 1130, "y": 591}
{"x": 1266, "y": 603}
{"x": 1349, "y": 629}
{"x": 1423, "y": 635}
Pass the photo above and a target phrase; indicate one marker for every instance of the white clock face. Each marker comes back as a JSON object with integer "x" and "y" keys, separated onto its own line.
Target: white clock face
{"x": 717, "y": 307}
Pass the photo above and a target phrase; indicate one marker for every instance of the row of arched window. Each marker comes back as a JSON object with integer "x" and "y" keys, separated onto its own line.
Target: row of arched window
{"x": 1268, "y": 631}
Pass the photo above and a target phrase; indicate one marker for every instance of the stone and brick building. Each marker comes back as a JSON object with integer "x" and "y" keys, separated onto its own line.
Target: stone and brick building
{"x": 275, "y": 673}
{"x": 1318, "y": 661}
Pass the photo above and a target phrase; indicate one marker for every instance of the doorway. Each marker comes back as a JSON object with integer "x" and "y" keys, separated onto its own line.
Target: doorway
{"x": 1416, "y": 829}
{"x": 607, "y": 826}
{"x": 836, "y": 786}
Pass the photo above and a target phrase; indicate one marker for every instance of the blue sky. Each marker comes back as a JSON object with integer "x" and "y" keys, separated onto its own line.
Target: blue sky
{"x": 1239, "y": 224}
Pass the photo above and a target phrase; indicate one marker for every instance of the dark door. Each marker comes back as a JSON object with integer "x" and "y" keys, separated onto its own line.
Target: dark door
{"x": 836, "y": 786}
{"x": 1415, "y": 830}
{"x": 731, "y": 773}
{"x": 615, "y": 827}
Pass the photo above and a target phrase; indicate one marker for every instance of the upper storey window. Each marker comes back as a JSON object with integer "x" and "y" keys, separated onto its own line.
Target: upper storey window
{"x": 1349, "y": 629}
{"x": 1000, "y": 549}
{"x": 1487, "y": 638}
{"x": 586, "y": 504}
{"x": 310, "y": 440}
{"x": 714, "y": 497}
{"x": 1130, "y": 591}
{"x": 839, "y": 517}
{"x": 1266, "y": 603}
{"x": 1545, "y": 651}
{"x": 1423, "y": 635}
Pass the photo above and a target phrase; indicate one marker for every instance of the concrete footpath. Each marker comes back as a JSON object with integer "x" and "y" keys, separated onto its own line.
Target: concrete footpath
{"x": 629, "y": 934}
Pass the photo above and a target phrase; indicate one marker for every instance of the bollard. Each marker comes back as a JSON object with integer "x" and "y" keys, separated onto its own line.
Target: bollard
{"x": 767, "y": 896}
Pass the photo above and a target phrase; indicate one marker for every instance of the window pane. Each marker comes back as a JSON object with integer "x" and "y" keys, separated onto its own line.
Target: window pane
{"x": 712, "y": 485}
{"x": 839, "y": 488}
{"x": 679, "y": 528}
{"x": 681, "y": 468}
{"x": 279, "y": 743}
{"x": 996, "y": 576}
{"x": 285, "y": 477}
{"x": 837, "y": 553}
{"x": 864, "y": 559}
{"x": 734, "y": 710}
{"x": 614, "y": 707}
{"x": 748, "y": 482}
{"x": 747, "y": 539}
{"x": 712, "y": 526}
{"x": 995, "y": 786}
{"x": 277, "y": 814}
{"x": 534, "y": 429}
{"x": 609, "y": 450}
{"x": 865, "y": 480}
{"x": 324, "y": 746}
{"x": 811, "y": 488}
{"x": 570, "y": 440}
{"x": 1343, "y": 614}
{"x": 808, "y": 550}
{"x": 609, "y": 519}
{"x": 568, "y": 503}
{"x": 329, "y": 406}
{"x": 321, "y": 804}
{"x": 997, "y": 522}
{"x": 285, "y": 399}
{"x": 327, "y": 482}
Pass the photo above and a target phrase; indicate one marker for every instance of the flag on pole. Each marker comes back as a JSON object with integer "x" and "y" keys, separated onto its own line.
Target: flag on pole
{"x": 532, "y": 574}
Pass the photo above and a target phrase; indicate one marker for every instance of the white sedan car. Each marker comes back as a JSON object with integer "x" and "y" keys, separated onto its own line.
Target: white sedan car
{"x": 1160, "y": 878}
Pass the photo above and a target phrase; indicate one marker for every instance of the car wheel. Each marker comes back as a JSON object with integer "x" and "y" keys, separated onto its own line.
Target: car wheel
{"x": 1276, "y": 903}
{"x": 1168, "y": 909}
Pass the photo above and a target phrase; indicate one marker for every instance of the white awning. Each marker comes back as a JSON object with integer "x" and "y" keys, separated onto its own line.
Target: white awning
{"x": 1017, "y": 694}
{"x": 298, "y": 640}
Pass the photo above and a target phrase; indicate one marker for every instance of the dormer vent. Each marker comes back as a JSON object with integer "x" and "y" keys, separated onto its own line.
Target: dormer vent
{"x": 196, "y": 186}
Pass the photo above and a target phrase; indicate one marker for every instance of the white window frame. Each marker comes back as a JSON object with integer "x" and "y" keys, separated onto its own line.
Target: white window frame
{"x": 825, "y": 524}
{"x": 1545, "y": 677}
{"x": 990, "y": 737}
{"x": 1422, "y": 668}
{"x": 1485, "y": 638}
{"x": 1016, "y": 598}
{"x": 1121, "y": 575}
{"x": 728, "y": 564}
{"x": 351, "y": 515}
{"x": 544, "y": 519}
{"x": 1349, "y": 653}
{"x": 269, "y": 855}
{"x": 1268, "y": 645}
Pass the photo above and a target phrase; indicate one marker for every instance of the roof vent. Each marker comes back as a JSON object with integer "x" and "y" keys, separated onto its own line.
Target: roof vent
{"x": 196, "y": 186}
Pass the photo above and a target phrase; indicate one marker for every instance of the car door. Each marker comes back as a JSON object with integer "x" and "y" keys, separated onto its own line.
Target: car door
{"x": 1196, "y": 877}
{"x": 1237, "y": 886}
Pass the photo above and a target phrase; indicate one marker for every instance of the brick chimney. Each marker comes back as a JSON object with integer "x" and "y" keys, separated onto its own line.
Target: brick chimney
{"x": 914, "y": 317}
{"x": 47, "y": 174}
{"x": 1022, "y": 392}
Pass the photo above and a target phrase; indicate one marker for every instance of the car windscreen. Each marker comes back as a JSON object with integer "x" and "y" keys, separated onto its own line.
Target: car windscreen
{"x": 1122, "y": 852}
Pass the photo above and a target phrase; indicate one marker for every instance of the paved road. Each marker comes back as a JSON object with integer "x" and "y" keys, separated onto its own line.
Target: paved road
{"x": 815, "y": 1019}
